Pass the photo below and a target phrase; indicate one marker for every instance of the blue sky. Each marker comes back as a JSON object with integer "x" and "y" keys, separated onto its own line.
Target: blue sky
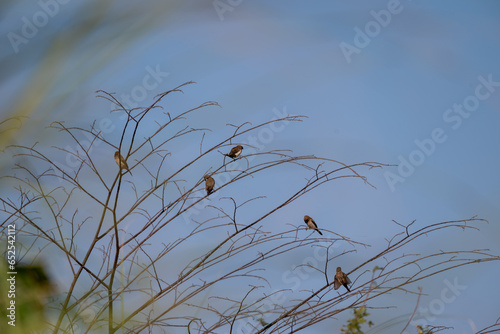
{"x": 259, "y": 58}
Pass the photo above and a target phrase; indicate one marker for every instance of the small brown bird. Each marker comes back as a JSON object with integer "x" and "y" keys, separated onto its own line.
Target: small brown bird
{"x": 235, "y": 152}
{"x": 209, "y": 184}
{"x": 311, "y": 224}
{"x": 121, "y": 162}
{"x": 341, "y": 279}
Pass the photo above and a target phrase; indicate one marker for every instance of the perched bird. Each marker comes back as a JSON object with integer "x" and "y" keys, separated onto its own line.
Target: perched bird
{"x": 341, "y": 279}
{"x": 121, "y": 162}
{"x": 311, "y": 224}
{"x": 235, "y": 152}
{"x": 209, "y": 184}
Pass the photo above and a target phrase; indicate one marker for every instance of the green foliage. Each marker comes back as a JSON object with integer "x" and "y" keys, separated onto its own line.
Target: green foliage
{"x": 354, "y": 324}
{"x": 26, "y": 292}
